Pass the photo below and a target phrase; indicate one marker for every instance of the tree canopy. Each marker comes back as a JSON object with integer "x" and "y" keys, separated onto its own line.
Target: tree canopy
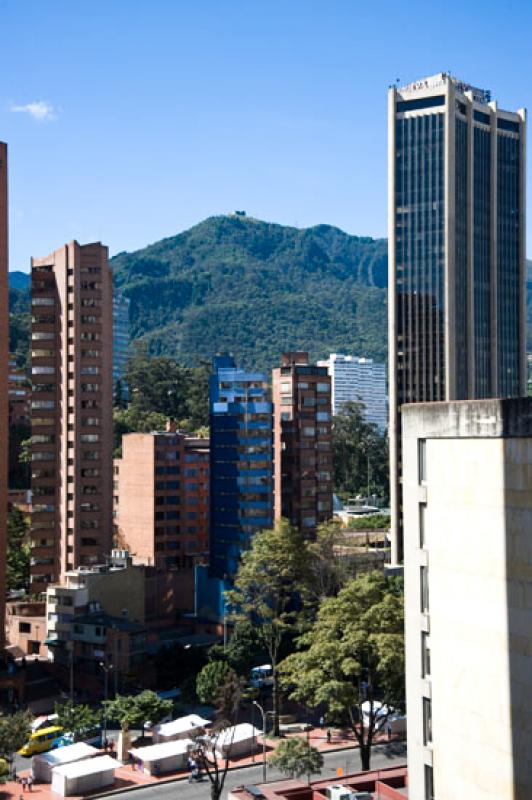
{"x": 296, "y": 757}
{"x": 18, "y": 551}
{"x": 15, "y": 730}
{"x": 137, "y": 710}
{"x": 210, "y": 680}
{"x": 77, "y": 719}
{"x": 352, "y": 654}
{"x": 265, "y": 591}
{"x": 360, "y": 455}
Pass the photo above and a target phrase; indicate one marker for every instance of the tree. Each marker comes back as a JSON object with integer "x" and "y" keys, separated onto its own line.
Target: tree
{"x": 360, "y": 454}
{"x": 244, "y": 649}
{"x": 15, "y": 731}
{"x": 136, "y": 710}
{"x": 77, "y": 719}
{"x": 296, "y": 757}
{"x": 326, "y": 568}
{"x": 18, "y": 551}
{"x": 354, "y": 654}
{"x": 265, "y": 592}
{"x": 216, "y": 765}
{"x": 210, "y": 679}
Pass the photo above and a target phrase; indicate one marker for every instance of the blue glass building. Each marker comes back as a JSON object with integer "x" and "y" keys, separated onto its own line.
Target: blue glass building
{"x": 241, "y": 462}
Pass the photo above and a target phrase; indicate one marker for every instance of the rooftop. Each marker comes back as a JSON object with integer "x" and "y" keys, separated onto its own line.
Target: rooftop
{"x": 440, "y": 80}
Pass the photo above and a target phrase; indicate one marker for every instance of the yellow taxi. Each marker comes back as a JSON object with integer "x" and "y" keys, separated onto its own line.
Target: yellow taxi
{"x": 42, "y": 740}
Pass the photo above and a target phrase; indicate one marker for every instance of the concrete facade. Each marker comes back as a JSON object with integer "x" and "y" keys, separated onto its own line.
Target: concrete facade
{"x": 302, "y": 442}
{"x": 467, "y": 496}
{"x": 456, "y": 216}
{"x": 4, "y": 355}
{"x": 161, "y": 498}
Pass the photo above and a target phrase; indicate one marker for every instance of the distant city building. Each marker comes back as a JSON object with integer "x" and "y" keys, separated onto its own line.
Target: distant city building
{"x": 467, "y": 499}
{"x": 19, "y": 394}
{"x": 72, "y": 427}
{"x": 456, "y": 252}
{"x": 302, "y": 442}
{"x": 120, "y": 340}
{"x": 362, "y": 380}
{"x": 161, "y": 497}
{"x": 241, "y": 462}
{"x": 4, "y": 355}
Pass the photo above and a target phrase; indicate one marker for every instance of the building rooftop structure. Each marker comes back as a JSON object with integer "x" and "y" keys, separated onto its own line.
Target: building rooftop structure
{"x": 383, "y": 784}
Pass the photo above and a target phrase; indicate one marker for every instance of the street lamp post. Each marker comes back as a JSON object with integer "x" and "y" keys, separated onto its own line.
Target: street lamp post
{"x": 264, "y": 718}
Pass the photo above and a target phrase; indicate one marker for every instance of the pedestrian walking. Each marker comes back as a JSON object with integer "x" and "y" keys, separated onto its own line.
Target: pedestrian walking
{"x": 24, "y": 783}
{"x": 322, "y": 722}
{"x": 389, "y": 730}
{"x": 329, "y": 736}
{"x": 30, "y": 782}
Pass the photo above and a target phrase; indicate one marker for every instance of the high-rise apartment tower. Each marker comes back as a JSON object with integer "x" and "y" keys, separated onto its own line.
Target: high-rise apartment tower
{"x": 72, "y": 434}
{"x": 456, "y": 252}
{"x": 4, "y": 359}
{"x": 302, "y": 442}
{"x": 359, "y": 380}
{"x": 241, "y": 498}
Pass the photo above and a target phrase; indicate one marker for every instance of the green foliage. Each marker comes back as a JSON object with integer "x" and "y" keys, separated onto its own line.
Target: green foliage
{"x": 15, "y": 731}
{"x": 244, "y": 649}
{"x": 354, "y": 652}
{"x": 228, "y": 702}
{"x": 296, "y": 757}
{"x": 360, "y": 455}
{"x": 270, "y": 573}
{"x": 326, "y": 569}
{"x": 77, "y": 719}
{"x": 210, "y": 680}
{"x": 131, "y": 420}
{"x": 18, "y": 551}
{"x": 376, "y": 522}
{"x": 219, "y": 285}
{"x": 19, "y": 455}
{"x": 137, "y": 710}
{"x": 19, "y": 325}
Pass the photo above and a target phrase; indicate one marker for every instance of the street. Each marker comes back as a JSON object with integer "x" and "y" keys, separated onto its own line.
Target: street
{"x": 384, "y": 755}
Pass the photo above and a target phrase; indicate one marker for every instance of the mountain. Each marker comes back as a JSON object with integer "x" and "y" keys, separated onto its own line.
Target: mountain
{"x": 256, "y": 289}
{"x": 19, "y": 280}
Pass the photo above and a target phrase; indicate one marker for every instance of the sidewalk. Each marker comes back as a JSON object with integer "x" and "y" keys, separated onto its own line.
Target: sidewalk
{"x": 128, "y": 778}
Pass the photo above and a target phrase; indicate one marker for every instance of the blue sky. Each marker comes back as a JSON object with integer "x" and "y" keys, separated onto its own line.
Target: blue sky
{"x": 146, "y": 117}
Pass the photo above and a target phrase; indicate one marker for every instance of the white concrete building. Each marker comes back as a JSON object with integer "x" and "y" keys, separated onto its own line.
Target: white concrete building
{"x": 359, "y": 379}
{"x": 467, "y": 501}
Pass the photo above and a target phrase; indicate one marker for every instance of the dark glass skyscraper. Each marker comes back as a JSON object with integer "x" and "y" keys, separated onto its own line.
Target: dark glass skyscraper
{"x": 240, "y": 462}
{"x": 456, "y": 252}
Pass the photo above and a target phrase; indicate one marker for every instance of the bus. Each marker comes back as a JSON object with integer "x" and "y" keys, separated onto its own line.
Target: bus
{"x": 261, "y": 676}
{"x": 42, "y": 740}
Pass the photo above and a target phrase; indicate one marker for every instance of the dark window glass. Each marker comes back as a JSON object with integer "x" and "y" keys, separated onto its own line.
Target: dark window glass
{"x": 480, "y": 116}
{"x": 422, "y": 102}
{"x": 507, "y": 125}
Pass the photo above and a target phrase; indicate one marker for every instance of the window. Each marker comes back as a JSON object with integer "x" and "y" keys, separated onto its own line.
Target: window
{"x": 323, "y": 387}
{"x": 422, "y": 513}
{"x": 422, "y": 460}
{"x": 24, "y": 627}
{"x": 425, "y": 654}
{"x": 429, "y": 783}
{"x": 286, "y": 387}
{"x": 427, "y": 721}
{"x": 322, "y": 416}
{"x": 424, "y": 583}
{"x": 422, "y": 102}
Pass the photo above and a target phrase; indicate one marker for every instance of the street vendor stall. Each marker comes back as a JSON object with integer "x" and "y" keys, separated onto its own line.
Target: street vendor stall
{"x": 163, "y": 757}
{"x": 43, "y": 763}
{"x": 183, "y": 728}
{"x": 83, "y": 777}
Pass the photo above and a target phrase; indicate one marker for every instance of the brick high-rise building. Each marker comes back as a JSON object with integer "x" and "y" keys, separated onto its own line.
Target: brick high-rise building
{"x": 302, "y": 442}
{"x": 4, "y": 357}
{"x": 161, "y": 493}
{"x": 72, "y": 433}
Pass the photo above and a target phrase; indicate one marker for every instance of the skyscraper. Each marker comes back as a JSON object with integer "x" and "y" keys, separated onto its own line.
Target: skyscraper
{"x": 302, "y": 442}
{"x": 4, "y": 359}
{"x": 456, "y": 252}
{"x": 241, "y": 499}
{"x": 120, "y": 340}
{"x": 361, "y": 380}
{"x": 72, "y": 433}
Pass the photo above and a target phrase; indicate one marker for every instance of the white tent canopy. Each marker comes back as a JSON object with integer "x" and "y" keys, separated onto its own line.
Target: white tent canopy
{"x": 43, "y": 763}
{"x": 82, "y": 777}
{"x": 239, "y": 739}
{"x": 182, "y": 728}
{"x": 164, "y": 757}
